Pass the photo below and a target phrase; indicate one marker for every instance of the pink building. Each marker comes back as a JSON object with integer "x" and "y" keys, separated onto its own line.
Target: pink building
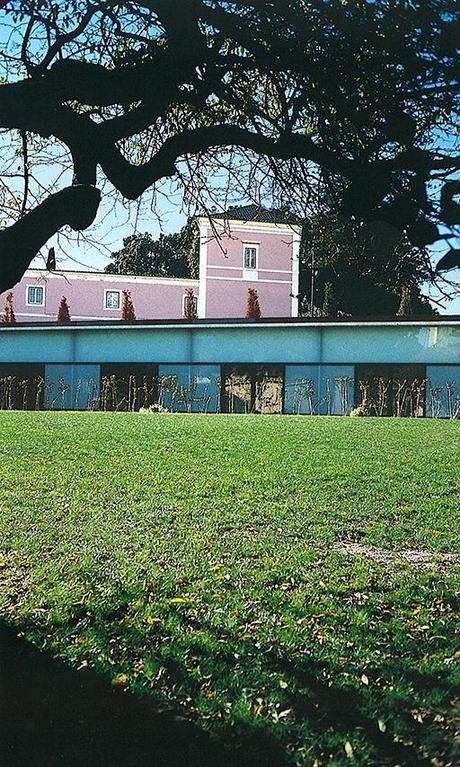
{"x": 249, "y": 248}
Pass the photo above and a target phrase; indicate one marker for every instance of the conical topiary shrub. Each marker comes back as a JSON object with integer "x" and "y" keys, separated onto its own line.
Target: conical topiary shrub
{"x": 63, "y": 314}
{"x": 8, "y": 312}
{"x": 252, "y": 305}
{"x": 189, "y": 305}
{"x": 127, "y": 307}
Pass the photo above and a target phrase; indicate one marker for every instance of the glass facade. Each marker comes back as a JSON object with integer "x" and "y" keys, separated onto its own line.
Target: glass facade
{"x": 443, "y": 391}
{"x": 128, "y": 385}
{"x": 21, "y": 386}
{"x": 387, "y": 390}
{"x": 324, "y": 368}
{"x": 252, "y": 388}
{"x": 190, "y": 388}
{"x": 71, "y": 387}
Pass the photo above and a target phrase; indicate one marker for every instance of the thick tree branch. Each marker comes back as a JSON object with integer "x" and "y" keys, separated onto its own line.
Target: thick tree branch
{"x": 75, "y": 206}
{"x": 91, "y": 84}
{"x": 267, "y": 77}
{"x": 132, "y": 180}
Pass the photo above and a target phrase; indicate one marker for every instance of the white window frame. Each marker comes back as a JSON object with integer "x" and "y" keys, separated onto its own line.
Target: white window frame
{"x": 35, "y": 303}
{"x": 112, "y": 308}
{"x": 253, "y": 246}
{"x": 195, "y": 302}
{"x": 250, "y": 273}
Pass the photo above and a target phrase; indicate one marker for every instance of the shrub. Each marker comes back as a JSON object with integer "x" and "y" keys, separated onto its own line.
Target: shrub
{"x": 8, "y": 315}
{"x": 190, "y": 305}
{"x": 156, "y": 408}
{"x": 63, "y": 314}
{"x": 127, "y": 307}
{"x": 252, "y": 306}
{"x": 360, "y": 410}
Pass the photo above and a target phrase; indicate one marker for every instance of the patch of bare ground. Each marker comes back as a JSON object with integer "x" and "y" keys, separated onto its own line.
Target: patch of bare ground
{"x": 418, "y": 558}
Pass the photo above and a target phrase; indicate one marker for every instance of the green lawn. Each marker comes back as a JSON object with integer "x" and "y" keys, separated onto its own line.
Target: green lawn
{"x": 191, "y": 558}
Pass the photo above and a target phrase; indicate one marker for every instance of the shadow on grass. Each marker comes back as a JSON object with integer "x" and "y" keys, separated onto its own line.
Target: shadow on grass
{"x": 54, "y": 716}
{"x": 342, "y": 711}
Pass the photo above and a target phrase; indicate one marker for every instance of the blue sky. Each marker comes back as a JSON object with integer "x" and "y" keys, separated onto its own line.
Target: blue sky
{"x": 90, "y": 249}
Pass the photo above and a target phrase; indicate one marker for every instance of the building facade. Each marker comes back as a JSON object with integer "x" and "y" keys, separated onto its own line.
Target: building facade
{"x": 249, "y": 248}
{"x": 260, "y": 252}
{"x": 390, "y": 367}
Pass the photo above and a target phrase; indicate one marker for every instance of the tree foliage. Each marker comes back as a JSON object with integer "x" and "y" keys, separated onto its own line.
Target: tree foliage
{"x": 359, "y": 269}
{"x": 265, "y": 94}
{"x": 329, "y": 305}
{"x": 171, "y": 255}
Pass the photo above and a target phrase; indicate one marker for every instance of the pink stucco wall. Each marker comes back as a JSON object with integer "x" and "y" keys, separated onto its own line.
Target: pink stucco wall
{"x": 221, "y": 291}
{"x": 228, "y": 300}
{"x": 275, "y": 250}
{"x": 225, "y": 283}
{"x": 85, "y": 293}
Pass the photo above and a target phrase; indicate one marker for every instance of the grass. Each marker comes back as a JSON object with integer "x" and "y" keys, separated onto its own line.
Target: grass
{"x": 191, "y": 559}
